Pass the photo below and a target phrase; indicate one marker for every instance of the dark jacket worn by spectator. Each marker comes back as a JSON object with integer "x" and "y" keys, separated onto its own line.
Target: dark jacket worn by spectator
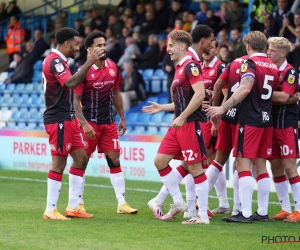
{"x": 168, "y": 67}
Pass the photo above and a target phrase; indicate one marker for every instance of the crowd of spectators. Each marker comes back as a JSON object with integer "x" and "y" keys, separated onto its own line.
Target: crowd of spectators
{"x": 136, "y": 30}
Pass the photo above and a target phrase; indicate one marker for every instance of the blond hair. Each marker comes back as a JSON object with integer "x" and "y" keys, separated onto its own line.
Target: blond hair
{"x": 181, "y": 36}
{"x": 257, "y": 40}
{"x": 280, "y": 43}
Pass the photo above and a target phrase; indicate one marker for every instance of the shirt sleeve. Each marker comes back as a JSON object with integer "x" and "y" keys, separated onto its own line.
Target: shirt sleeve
{"x": 61, "y": 71}
{"x": 193, "y": 73}
{"x": 225, "y": 74}
{"x": 80, "y": 88}
{"x": 290, "y": 82}
{"x": 220, "y": 69}
{"x": 248, "y": 68}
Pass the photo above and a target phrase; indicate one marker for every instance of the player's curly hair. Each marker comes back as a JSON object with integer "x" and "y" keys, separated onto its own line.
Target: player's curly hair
{"x": 181, "y": 36}
{"x": 89, "y": 40}
{"x": 257, "y": 40}
{"x": 201, "y": 31}
{"x": 281, "y": 43}
{"x": 65, "y": 34}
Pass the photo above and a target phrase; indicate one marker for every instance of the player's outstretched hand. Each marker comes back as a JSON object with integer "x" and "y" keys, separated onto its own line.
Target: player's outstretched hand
{"x": 121, "y": 128}
{"x": 152, "y": 109}
{"x": 89, "y": 132}
{"x": 214, "y": 111}
{"x": 94, "y": 54}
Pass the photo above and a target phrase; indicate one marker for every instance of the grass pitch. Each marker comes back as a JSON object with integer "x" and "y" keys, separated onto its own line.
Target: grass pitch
{"x": 23, "y": 198}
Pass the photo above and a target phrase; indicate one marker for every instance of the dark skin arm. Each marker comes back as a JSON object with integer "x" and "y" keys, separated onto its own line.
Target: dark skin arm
{"x": 87, "y": 128}
{"x": 119, "y": 108}
{"x": 77, "y": 78}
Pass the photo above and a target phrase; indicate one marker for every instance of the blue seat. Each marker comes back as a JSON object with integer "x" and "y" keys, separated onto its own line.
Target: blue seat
{"x": 152, "y": 99}
{"x": 37, "y": 76}
{"x": 167, "y": 120}
{"x": 26, "y": 102}
{"x": 9, "y": 88}
{"x": 17, "y": 100}
{"x": 38, "y": 102}
{"x": 33, "y": 110}
{"x": 19, "y": 88}
{"x": 31, "y": 126}
{"x": 152, "y": 130}
{"x": 35, "y": 117}
{"x": 156, "y": 85}
{"x": 131, "y": 118}
{"x": 2, "y": 88}
{"x": 15, "y": 116}
{"x": 163, "y": 100}
{"x": 22, "y": 126}
{"x": 38, "y": 88}
{"x": 28, "y": 88}
{"x": 40, "y": 126}
{"x": 163, "y": 130}
{"x": 156, "y": 119}
{"x": 7, "y": 101}
{"x": 24, "y": 116}
{"x": 159, "y": 73}
{"x": 11, "y": 126}
{"x": 38, "y": 65}
{"x": 147, "y": 74}
{"x": 138, "y": 130}
{"x": 140, "y": 71}
{"x": 143, "y": 119}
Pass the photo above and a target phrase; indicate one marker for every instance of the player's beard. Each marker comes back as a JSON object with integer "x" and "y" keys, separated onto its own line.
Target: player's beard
{"x": 103, "y": 58}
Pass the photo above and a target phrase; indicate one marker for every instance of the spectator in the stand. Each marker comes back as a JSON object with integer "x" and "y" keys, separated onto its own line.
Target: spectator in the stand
{"x": 52, "y": 45}
{"x": 162, "y": 49}
{"x": 149, "y": 27}
{"x": 262, "y": 9}
{"x": 236, "y": 46}
{"x": 288, "y": 29}
{"x": 279, "y": 15}
{"x": 224, "y": 54}
{"x": 223, "y": 38}
{"x": 128, "y": 11}
{"x": 293, "y": 56}
{"x": 57, "y": 26}
{"x": 3, "y": 13}
{"x": 268, "y": 27}
{"x": 40, "y": 45}
{"x": 186, "y": 21}
{"x": 131, "y": 48}
{"x": 235, "y": 14}
{"x": 137, "y": 39}
{"x": 114, "y": 52}
{"x": 130, "y": 24}
{"x": 222, "y": 13}
{"x": 175, "y": 13}
{"x": 122, "y": 38}
{"x": 149, "y": 7}
{"x": 201, "y": 15}
{"x": 115, "y": 25}
{"x": 13, "y": 9}
{"x": 193, "y": 20}
{"x": 88, "y": 18}
{"x": 133, "y": 86}
{"x": 87, "y": 30}
{"x": 23, "y": 72}
{"x": 168, "y": 67}
{"x": 139, "y": 15}
{"x": 79, "y": 26}
{"x": 149, "y": 59}
{"x": 162, "y": 14}
{"x": 80, "y": 57}
{"x": 212, "y": 21}
{"x": 97, "y": 23}
{"x": 15, "y": 37}
{"x": 30, "y": 53}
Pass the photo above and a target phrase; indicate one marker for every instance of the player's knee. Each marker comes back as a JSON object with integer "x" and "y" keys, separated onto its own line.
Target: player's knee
{"x": 82, "y": 162}
{"x": 160, "y": 163}
{"x": 113, "y": 162}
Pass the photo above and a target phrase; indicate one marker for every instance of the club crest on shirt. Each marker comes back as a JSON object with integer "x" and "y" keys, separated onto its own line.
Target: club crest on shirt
{"x": 244, "y": 67}
{"x": 291, "y": 79}
{"x": 180, "y": 71}
{"x": 280, "y": 77}
{"x": 195, "y": 71}
{"x": 211, "y": 73}
{"x": 59, "y": 67}
{"x": 112, "y": 72}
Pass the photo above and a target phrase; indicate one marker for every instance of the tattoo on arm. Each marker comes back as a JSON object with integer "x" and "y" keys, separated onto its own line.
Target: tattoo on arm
{"x": 78, "y": 77}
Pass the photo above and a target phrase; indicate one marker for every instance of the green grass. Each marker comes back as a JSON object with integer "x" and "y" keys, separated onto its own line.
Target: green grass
{"x": 22, "y": 226}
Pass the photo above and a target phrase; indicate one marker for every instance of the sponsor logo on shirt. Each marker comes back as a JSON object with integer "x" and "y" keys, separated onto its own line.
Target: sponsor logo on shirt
{"x": 211, "y": 73}
{"x": 59, "y": 67}
{"x": 244, "y": 67}
{"x": 100, "y": 85}
{"x": 195, "y": 71}
{"x": 291, "y": 79}
{"x": 112, "y": 72}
